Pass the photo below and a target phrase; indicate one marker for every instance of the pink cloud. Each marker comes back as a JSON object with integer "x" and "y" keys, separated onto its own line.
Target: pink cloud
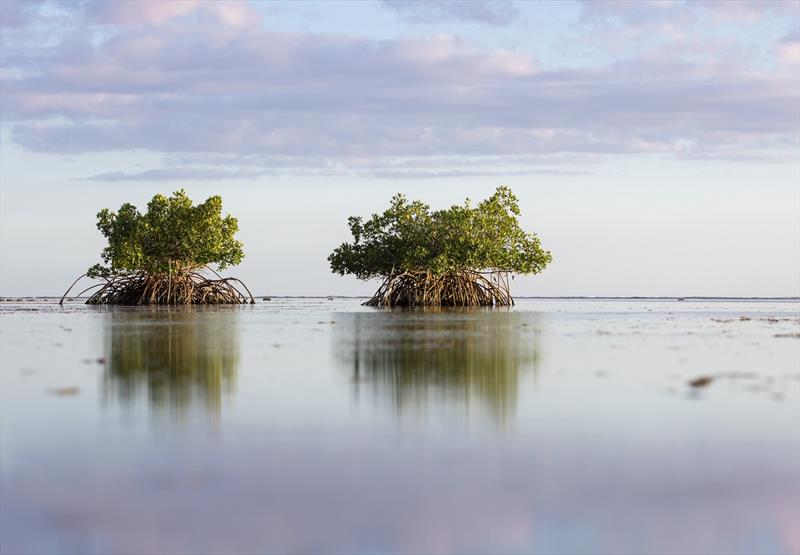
{"x": 131, "y": 12}
{"x": 228, "y": 13}
{"x": 444, "y": 52}
{"x": 203, "y": 77}
{"x": 749, "y": 11}
{"x": 234, "y": 13}
{"x": 788, "y": 51}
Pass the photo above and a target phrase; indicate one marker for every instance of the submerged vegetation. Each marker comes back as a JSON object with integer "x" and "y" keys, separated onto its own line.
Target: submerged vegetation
{"x": 164, "y": 256}
{"x": 461, "y": 256}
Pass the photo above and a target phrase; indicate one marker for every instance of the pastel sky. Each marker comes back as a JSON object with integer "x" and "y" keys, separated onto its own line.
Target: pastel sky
{"x": 654, "y": 146}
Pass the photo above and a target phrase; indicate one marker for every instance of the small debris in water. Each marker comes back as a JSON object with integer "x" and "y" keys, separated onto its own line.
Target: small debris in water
{"x": 98, "y": 360}
{"x": 64, "y": 391}
{"x": 702, "y": 381}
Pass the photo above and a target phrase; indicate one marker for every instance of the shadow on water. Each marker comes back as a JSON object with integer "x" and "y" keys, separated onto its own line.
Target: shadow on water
{"x": 417, "y": 359}
{"x": 175, "y": 359}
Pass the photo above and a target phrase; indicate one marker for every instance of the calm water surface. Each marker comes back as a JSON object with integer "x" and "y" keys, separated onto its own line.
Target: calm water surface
{"x": 312, "y": 426}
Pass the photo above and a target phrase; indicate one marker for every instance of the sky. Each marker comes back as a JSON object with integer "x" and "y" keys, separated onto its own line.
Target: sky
{"x": 654, "y": 146}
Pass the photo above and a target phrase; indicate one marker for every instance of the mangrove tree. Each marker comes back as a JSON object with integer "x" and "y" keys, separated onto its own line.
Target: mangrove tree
{"x": 167, "y": 255}
{"x": 461, "y": 256}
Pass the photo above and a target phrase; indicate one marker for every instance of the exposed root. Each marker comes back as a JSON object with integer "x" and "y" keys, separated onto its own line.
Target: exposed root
{"x": 462, "y": 288}
{"x": 190, "y": 287}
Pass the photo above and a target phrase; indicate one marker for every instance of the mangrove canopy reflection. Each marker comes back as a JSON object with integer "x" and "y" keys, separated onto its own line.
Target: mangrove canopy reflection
{"x": 463, "y": 360}
{"x": 175, "y": 359}
{"x": 461, "y": 256}
{"x": 165, "y": 255}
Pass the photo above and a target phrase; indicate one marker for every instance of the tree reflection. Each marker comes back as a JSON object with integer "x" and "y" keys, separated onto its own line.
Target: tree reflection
{"x": 421, "y": 359}
{"x": 177, "y": 358}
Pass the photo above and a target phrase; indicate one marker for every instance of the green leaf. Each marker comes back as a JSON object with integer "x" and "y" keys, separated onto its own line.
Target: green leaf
{"x": 172, "y": 235}
{"x": 409, "y": 237}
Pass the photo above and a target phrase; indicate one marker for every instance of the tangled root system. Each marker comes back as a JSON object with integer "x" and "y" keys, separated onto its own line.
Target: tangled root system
{"x": 462, "y": 288}
{"x": 141, "y": 288}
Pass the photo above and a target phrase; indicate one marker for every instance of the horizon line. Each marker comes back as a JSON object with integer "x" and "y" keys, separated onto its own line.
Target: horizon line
{"x": 12, "y": 298}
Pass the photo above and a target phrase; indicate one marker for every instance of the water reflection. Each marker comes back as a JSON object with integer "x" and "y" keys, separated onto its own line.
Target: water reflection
{"x": 611, "y": 465}
{"x": 417, "y": 359}
{"x": 174, "y": 359}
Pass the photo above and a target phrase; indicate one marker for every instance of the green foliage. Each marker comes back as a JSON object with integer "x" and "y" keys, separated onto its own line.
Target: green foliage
{"x": 172, "y": 236}
{"x": 408, "y": 237}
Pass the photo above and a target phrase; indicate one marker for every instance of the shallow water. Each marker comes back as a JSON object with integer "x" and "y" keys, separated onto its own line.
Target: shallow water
{"x": 305, "y": 425}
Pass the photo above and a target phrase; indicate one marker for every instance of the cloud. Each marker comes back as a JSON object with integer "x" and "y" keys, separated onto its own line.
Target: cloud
{"x": 211, "y": 81}
{"x": 217, "y": 167}
{"x": 630, "y": 11}
{"x": 686, "y": 11}
{"x": 489, "y": 12}
{"x": 178, "y": 174}
{"x": 748, "y": 11}
{"x": 450, "y": 173}
{"x": 788, "y": 49}
{"x": 10, "y": 14}
{"x": 126, "y": 12}
{"x": 733, "y": 33}
{"x": 219, "y": 174}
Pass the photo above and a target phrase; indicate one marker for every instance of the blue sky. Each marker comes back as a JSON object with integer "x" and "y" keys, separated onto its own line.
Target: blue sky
{"x": 653, "y": 145}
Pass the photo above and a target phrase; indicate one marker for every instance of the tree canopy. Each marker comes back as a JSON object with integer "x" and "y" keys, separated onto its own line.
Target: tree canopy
{"x": 409, "y": 237}
{"x": 173, "y": 235}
